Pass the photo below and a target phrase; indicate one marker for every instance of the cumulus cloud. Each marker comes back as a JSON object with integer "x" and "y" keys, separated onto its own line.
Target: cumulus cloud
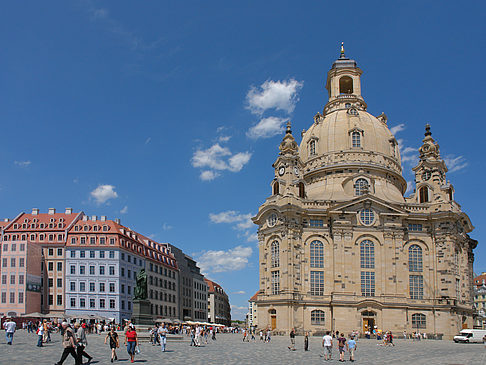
{"x": 221, "y": 261}
{"x": 23, "y": 163}
{"x": 398, "y": 128}
{"x": 124, "y": 210}
{"x": 218, "y": 158}
{"x": 279, "y": 95}
{"x": 267, "y": 127}
{"x": 103, "y": 193}
{"x": 243, "y": 221}
{"x": 455, "y": 163}
{"x": 224, "y": 139}
{"x": 410, "y": 187}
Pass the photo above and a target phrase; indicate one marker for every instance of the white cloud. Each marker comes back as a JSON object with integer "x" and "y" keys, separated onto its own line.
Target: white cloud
{"x": 231, "y": 216}
{"x": 398, "y": 128}
{"x": 279, "y": 95}
{"x": 103, "y": 193}
{"x": 408, "y": 154}
{"x": 124, "y": 210}
{"x": 222, "y": 261}
{"x": 267, "y": 127}
{"x": 410, "y": 187}
{"x": 23, "y": 163}
{"x": 240, "y": 292}
{"x": 99, "y": 13}
{"x": 224, "y": 139}
{"x": 166, "y": 227}
{"x": 208, "y": 175}
{"x": 219, "y": 158}
{"x": 454, "y": 163}
{"x": 147, "y": 141}
{"x": 251, "y": 237}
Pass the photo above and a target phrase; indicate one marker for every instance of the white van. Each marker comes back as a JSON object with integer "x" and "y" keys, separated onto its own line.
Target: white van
{"x": 470, "y": 336}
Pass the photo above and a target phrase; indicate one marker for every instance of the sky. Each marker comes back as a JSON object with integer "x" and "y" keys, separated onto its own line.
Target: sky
{"x": 168, "y": 114}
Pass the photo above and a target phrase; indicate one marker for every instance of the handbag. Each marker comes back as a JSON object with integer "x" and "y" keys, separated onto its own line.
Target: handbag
{"x": 137, "y": 349}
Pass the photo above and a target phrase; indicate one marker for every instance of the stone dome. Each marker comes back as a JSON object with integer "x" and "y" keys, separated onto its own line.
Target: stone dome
{"x": 359, "y": 135}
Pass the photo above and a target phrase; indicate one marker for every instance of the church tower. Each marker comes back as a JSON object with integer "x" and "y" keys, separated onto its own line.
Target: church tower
{"x": 341, "y": 247}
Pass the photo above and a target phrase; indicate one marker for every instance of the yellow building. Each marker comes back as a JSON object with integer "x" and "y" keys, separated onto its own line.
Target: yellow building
{"x": 342, "y": 248}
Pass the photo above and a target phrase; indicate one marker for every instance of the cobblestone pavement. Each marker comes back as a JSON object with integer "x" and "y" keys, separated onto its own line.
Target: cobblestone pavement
{"x": 229, "y": 349}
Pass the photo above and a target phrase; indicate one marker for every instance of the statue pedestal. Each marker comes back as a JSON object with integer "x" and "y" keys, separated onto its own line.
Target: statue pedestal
{"x": 141, "y": 312}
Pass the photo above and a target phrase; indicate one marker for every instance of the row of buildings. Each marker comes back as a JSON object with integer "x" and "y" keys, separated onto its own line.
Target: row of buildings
{"x": 75, "y": 264}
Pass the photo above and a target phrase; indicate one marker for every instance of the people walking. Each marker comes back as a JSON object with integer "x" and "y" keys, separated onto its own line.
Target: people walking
{"x": 306, "y": 341}
{"x": 82, "y": 343}
{"x": 269, "y": 335}
{"x": 327, "y": 344}
{"x": 131, "y": 341}
{"x": 341, "y": 346}
{"x": 114, "y": 343}
{"x": 352, "y": 347}
{"x": 9, "y": 327}
{"x": 68, "y": 343}
{"x": 162, "y": 333}
{"x": 292, "y": 340}
{"x": 40, "y": 335}
{"x": 193, "y": 338}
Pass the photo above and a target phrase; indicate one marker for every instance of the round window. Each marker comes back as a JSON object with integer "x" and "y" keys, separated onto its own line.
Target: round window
{"x": 367, "y": 216}
{"x": 272, "y": 220}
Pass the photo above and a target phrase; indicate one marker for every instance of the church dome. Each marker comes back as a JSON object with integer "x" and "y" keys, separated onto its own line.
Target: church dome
{"x": 353, "y": 134}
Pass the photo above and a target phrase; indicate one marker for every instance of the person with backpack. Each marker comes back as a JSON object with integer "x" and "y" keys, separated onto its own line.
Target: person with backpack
{"x": 68, "y": 343}
{"x": 341, "y": 346}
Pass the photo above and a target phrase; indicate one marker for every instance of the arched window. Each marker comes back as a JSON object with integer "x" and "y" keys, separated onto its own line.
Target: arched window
{"x": 276, "y": 188}
{"x": 318, "y": 317}
{"x": 347, "y": 105}
{"x": 415, "y": 258}
{"x": 419, "y": 320}
{"x": 312, "y": 148}
{"x": 424, "y": 194}
{"x": 301, "y": 190}
{"x": 345, "y": 85}
{"x": 367, "y": 254}
{"x": 356, "y": 139}
{"x": 360, "y": 186}
{"x": 316, "y": 254}
{"x": 275, "y": 254}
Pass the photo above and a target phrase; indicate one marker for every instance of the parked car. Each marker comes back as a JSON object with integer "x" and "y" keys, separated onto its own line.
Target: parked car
{"x": 470, "y": 336}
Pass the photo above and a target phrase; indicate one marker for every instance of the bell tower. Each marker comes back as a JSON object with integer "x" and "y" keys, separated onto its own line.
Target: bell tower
{"x": 344, "y": 85}
{"x": 288, "y": 168}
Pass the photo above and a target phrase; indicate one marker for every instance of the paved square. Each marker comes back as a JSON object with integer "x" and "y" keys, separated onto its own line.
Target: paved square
{"x": 229, "y": 349}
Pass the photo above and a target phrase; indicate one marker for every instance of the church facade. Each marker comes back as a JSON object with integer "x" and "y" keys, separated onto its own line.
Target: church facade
{"x": 342, "y": 248}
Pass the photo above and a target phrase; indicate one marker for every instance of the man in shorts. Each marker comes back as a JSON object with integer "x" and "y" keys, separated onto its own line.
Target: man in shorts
{"x": 352, "y": 348}
{"x": 341, "y": 346}
{"x": 327, "y": 344}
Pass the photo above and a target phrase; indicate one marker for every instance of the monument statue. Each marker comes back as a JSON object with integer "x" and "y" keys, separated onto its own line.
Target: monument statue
{"x": 140, "y": 291}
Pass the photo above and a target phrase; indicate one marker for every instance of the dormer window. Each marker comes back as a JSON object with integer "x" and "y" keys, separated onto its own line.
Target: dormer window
{"x": 356, "y": 139}
{"x": 352, "y": 111}
{"x": 360, "y": 187}
{"x": 347, "y": 105}
{"x": 424, "y": 194}
{"x": 312, "y": 148}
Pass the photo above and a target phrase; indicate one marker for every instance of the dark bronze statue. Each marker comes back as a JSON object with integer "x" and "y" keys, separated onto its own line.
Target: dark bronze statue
{"x": 140, "y": 291}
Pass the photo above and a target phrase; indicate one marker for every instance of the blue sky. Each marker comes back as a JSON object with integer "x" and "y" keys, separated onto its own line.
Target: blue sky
{"x": 167, "y": 113}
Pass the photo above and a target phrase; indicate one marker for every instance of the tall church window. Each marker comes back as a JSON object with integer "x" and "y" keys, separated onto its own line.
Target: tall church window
{"x": 312, "y": 148}
{"x": 318, "y": 317}
{"x": 415, "y": 259}
{"x": 356, "y": 139}
{"x": 419, "y": 320}
{"x": 317, "y": 282}
{"x": 367, "y": 254}
{"x": 416, "y": 283}
{"x": 276, "y": 188}
{"x": 345, "y": 85}
{"x": 424, "y": 194}
{"x": 360, "y": 186}
{"x": 316, "y": 254}
{"x": 301, "y": 190}
{"x": 275, "y": 282}
{"x": 367, "y": 283}
{"x": 275, "y": 252}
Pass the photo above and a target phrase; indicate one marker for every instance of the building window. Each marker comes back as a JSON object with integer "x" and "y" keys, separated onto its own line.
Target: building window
{"x": 312, "y": 148}
{"x": 275, "y": 254}
{"x": 366, "y": 216}
{"x": 82, "y": 270}
{"x": 59, "y": 252}
{"x": 92, "y": 287}
{"x": 92, "y": 303}
{"x": 424, "y": 194}
{"x": 102, "y": 287}
{"x": 82, "y": 286}
{"x": 102, "y": 303}
{"x": 5, "y": 246}
{"x": 50, "y": 282}
{"x": 92, "y": 270}
{"x": 12, "y": 279}
{"x": 59, "y": 266}
{"x": 21, "y": 262}
{"x": 111, "y": 254}
{"x": 92, "y": 240}
{"x": 73, "y": 254}
{"x": 416, "y": 287}
{"x": 102, "y": 240}
{"x": 12, "y": 262}
{"x": 4, "y": 279}
{"x": 112, "y": 270}
{"x": 73, "y": 269}
{"x": 367, "y": 254}
{"x": 102, "y": 270}
{"x": 21, "y": 297}
{"x": 318, "y": 317}
{"x": 112, "y": 287}
{"x": 83, "y": 240}
{"x": 276, "y": 188}
{"x": 360, "y": 187}
{"x": 345, "y": 85}
{"x": 316, "y": 254}
{"x": 59, "y": 283}
{"x": 356, "y": 139}
{"x": 112, "y": 303}
{"x": 91, "y": 254}
{"x": 4, "y": 297}
{"x": 4, "y": 262}
{"x": 317, "y": 282}
{"x": 272, "y": 220}
{"x": 59, "y": 300}
{"x": 21, "y": 279}
{"x": 316, "y": 223}
{"x": 50, "y": 252}
{"x": 22, "y": 247}
{"x": 367, "y": 283}
{"x": 458, "y": 289}
{"x": 73, "y": 285}
{"x": 12, "y": 297}
{"x": 50, "y": 266}
{"x": 82, "y": 302}
{"x": 415, "y": 259}
{"x": 275, "y": 282}
{"x": 415, "y": 227}
{"x": 419, "y": 321}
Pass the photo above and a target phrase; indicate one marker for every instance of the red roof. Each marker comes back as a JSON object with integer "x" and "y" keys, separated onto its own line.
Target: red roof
{"x": 480, "y": 280}
{"x": 211, "y": 284}
{"x": 254, "y": 297}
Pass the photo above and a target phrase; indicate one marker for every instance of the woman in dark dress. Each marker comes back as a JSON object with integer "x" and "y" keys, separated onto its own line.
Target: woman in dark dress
{"x": 113, "y": 336}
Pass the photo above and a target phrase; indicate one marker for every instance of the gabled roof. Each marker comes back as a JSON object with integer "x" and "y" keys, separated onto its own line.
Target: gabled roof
{"x": 338, "y": 208}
